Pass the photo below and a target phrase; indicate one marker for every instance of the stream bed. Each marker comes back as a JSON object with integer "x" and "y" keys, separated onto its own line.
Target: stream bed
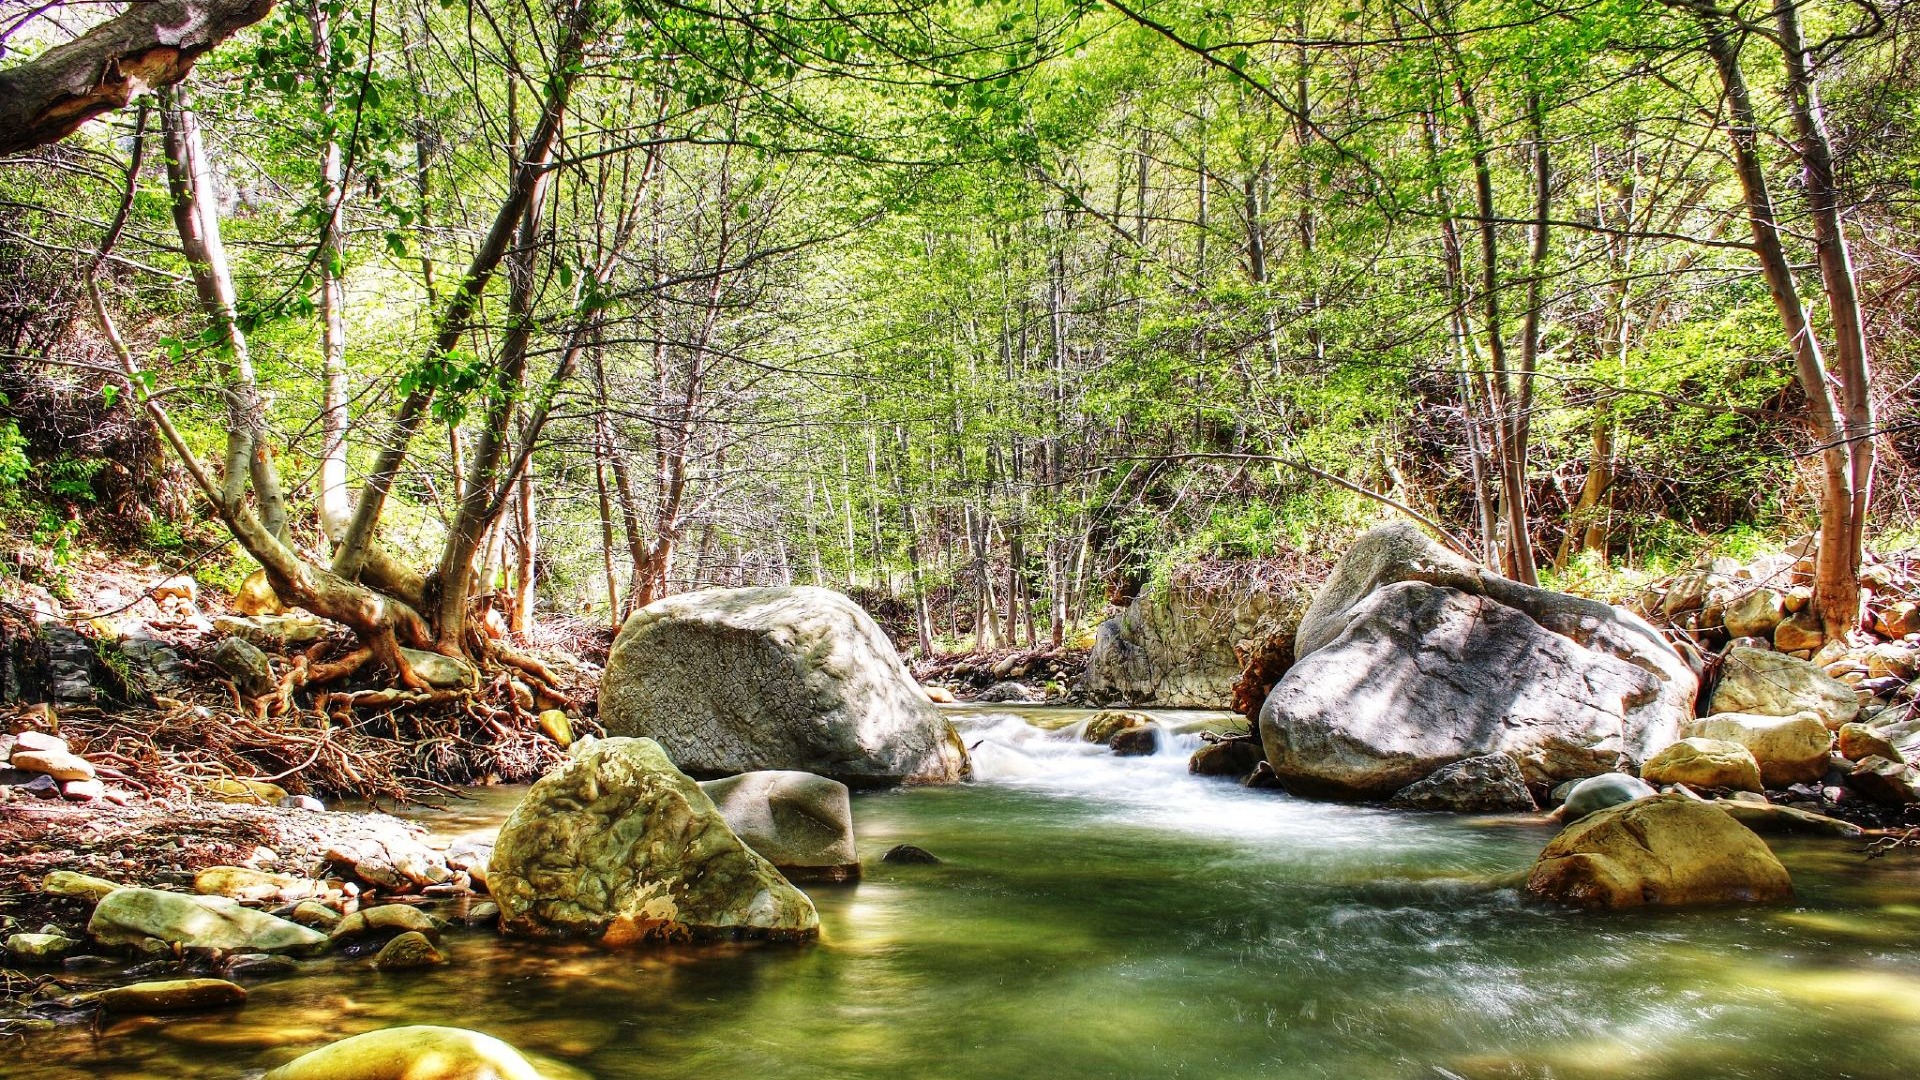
{"x": 1102, "y": 917}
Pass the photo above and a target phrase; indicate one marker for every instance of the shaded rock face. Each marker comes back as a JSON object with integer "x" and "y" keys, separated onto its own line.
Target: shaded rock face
{"x": 1412, "y": 659}
{"x": 1488, "y": 783}
{"x": 1178, "y": 648}
{"x": 741, "y": 680}
{"x": 620, "y": 846}
{"x": 799, "y": 822}
{"x": 1666, "y": 851}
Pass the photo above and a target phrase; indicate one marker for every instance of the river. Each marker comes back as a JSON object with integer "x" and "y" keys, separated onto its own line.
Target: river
{"x": 1099, "y": 917}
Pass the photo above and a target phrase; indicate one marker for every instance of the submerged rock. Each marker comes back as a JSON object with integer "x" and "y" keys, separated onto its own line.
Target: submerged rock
{"x": 1667, "y": 851}
{"x": 131, "y": 917}
{"x": 1491, "y": 782}
{"x": 908, "y": 855}
{"x": 740, "y": 680}
{"x": 406, "y": 952}
{"x": 621, "y": 846}
{"x": 170, "y": 995}
{"x": 411, "y": 1053}
{"x": 799, "y": 822}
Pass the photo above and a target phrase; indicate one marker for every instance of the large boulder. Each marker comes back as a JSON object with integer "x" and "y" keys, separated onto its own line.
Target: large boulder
{"x": 1485, "y": 783}
{"x": 1185, "y": 644}
{"x": 1775, "y": 684}
{"x": 1413, "y": 659}
{"x": 411, "y": 1053}
{"x": 1704, "y": 763}
{"x": 620, "y": 846}
{"x": 130, "y": 917}
{"x": 1788, "y": 749}
{"x": 1668, "y": 851}
{"x": 799, "y": 822}
{"x": 740, "y": 680}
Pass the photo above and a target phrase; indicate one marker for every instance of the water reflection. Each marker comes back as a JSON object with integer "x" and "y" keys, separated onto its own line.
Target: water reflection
{"x": 1104, "y": 917}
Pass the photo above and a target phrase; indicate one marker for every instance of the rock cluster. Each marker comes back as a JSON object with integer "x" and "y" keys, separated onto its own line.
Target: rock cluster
{"x": 36, "y": 765}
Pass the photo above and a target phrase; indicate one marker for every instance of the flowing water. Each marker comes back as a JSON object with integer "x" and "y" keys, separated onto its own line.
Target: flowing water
{"x": 1097, "y": 917}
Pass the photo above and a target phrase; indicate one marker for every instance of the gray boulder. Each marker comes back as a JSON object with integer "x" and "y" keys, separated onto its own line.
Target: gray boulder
{"x": 799, "y": 822}
{"x": 1491, "y": 782}
{"x": 129, "y": 917}
{"x": 1596, "y": 793}
{"x": 1775, "y": 684}
{"x": 619, "y": 846}
{"x": 741, "y": 680}
{"x": 1182, "y": 645}
{"x": 1412, "y": 659}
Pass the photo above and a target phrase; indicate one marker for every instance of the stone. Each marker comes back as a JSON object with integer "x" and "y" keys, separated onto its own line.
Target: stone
{"x": 1490, "y": 782}
{"x": 40, "y": 948}
{"x": 83, "y": 790}
{"x": 620, "y": 846}
{"x": 315, "y": 915}
{"x": 302, "y": 802}
{"x": 1182, "y": 644}
{"x": 484, "y": 913}
{"x": 1232, "y": 758}
{"x": 1136, "y": 742}
{"x": 1755, "y": 614}
{"x": 229, "y": 789}
{"x": 178, "y": 587}
{"x": 258, "y": 966}
{"x": 1412, "y": 659}
{"x": 129, "y": 917}
{"x": 1858, "y": 742}
{"x": 255, "y": 596}
{"x": 59, "y": 764}
{"x": 79, "y": 886}
{"x": 411, "y": 1053}
{"x": 1788, "y": 749}
{"x": 799, "y": 822}
{"x": 40, "y": 740}
{"x": 245, "y": 883}
{"x": 1775, "y": 684}
{"x": 1884, "y": 782}
{"x": 1101, "y": 727}
{"x": 939, "y": 695}
{"x": 1009, "y": 693}
{"x": 385, "y": 920}
{"x": 1665, "y": 851}
{"x": 1898, "y": 619}
{"x": 908, "y": 855}
{"x": 168, "y": 996}
{"x": 1766, "y": 818}
{"x": 244, "y": 663}
{"x": 275, "y": 633}
{"x": 439, "y": 671}
{"x": 41, "y": 786}
{"x": 557, "y": 727}
{"x": 1596, "y": 793}
{"x": 1798, "y": 632}
{"x": 741, "y": 680}
{"x": 1704, "y": 763}
{"x": 1891, "y": 660}
{"x": 406, "y": 952}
